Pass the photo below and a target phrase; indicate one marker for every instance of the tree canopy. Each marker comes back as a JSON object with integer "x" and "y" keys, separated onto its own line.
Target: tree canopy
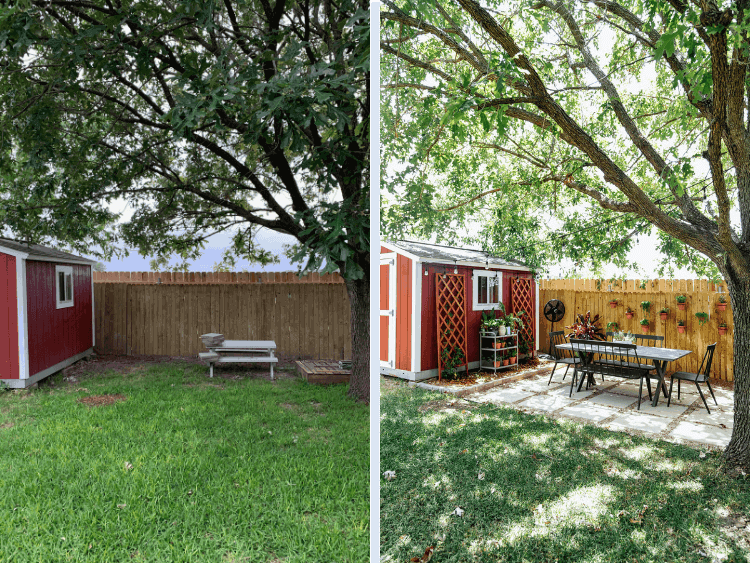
{"x": 471, "y": 96}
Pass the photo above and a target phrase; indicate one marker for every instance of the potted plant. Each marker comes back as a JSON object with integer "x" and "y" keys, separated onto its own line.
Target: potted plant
{"x": 612, "y": 326}
{"x": 664, "y": 313}
{"x": 623, "y": 337}
{"x": 629, "y": 313}
{"x": 586, "y": 328}
{"x": 702, "y": 317}
{"x": 681, "y": 302}
{"x": 722, "y": 304}
{"x": 513, "y": 322}
{"x": 613, "y": 303}
{"x": 498, "y": 344}
{"x": 644, "y": 325}
{"x": 452, "y": 358}
{"x": 722, "y": 329}
{"x": 645, "y": 305}
{"x": 513, "y": 355}
{"x": 506, "y": 360}
{"x": 681, "y": 326}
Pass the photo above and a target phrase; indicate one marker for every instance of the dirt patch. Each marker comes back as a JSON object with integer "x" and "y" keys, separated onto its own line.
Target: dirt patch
{"x": 476, "y": 377}
{"x": 289, "y": 406}
{"x": 443, "y": 405}
{"x": 6, "y": 425}
{"x": 101, "y": 400}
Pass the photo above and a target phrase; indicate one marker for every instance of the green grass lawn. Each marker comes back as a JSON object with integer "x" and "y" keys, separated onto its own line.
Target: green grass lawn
{"x": 184, "y": 469}
{"x": 536, "y": 489}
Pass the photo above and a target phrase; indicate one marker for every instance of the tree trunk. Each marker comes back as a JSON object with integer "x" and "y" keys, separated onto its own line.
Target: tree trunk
{"x": 738, "y": 450}
{"x": 359, "y": 302}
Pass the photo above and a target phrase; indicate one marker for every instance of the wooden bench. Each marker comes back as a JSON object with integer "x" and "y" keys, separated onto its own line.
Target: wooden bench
{"x": 241, "y": 352}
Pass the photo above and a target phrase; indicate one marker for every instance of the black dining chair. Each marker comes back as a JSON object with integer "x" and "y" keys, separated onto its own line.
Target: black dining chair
{"x": 561, "y": 356}
{"x": 702, "y": 376}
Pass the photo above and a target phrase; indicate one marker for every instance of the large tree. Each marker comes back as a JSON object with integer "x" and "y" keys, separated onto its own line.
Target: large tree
{"x": 203, "y": 116}
{"x": 639, "y": 108}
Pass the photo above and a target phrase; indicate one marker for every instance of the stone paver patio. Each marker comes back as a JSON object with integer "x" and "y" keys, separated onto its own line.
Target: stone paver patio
{"x": 612, "y": 404}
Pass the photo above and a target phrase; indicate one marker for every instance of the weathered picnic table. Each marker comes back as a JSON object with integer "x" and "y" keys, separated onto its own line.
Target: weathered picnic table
{"x": 240, "y": 351}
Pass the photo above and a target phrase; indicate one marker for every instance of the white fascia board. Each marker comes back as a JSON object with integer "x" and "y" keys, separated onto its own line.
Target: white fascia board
{"x": 422, "y": 259}
{"x": 416, "y": 309}
{"x": 14, "y": 253}
{"x": 23, "y": 321}
{"x": 81, "y": 262}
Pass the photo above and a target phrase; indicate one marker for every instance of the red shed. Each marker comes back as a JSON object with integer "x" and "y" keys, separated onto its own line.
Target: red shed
{"x": 408, "y": 302}
{"x": 46, "y": 311}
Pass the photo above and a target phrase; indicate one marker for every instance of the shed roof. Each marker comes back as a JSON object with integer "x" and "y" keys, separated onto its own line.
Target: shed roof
{"x": 44, "y": 253}
{"x": 427, "y": 252}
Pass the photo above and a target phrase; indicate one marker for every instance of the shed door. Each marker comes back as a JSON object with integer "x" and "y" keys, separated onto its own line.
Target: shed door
{"x": 387, "y": 312}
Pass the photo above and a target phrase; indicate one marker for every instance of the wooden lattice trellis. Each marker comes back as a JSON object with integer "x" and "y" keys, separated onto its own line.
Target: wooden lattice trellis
{"x": 522, "y": 299}
{"x": 451, "y": 318}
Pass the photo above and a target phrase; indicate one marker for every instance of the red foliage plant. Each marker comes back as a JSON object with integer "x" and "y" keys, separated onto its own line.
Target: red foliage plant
{"x": 586, "y": 328}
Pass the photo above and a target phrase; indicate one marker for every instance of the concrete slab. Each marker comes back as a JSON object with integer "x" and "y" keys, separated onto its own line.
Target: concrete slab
{"x": 507, "y": 395}
{"x": 671, "y": 411}
{"x": 638, "y": 421}
{"x": 539, "y": 385}
{"x": 589, "y": 412}
{"x": 703, "y": 433}
{"x": 611, "y": 400}
{"x": 565, "y": 391}
{"x": 548, "y": 403}
{"x": 716, "y": 418}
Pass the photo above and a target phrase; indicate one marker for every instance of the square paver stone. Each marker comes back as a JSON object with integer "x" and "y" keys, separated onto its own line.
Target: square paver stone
{"x": 538, "y": 385}
{"x": 565, "y": 392}
{"x": 547, "y": 403}
{"x": 638, "y": 421}
{"x": 717, "y": 417}
{"x": 508, "y": 395}
{"x": 703, "y": 433}
{"x": 671, "y": 411}
{"x": 588, "y": 411}
{"x": 611, "y": 400}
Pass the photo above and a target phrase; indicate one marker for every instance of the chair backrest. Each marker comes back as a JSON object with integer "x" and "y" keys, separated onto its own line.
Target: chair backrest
{"x": 555, "y": 338}
{"x": 616, "y": 354}
{"x": 708, "y": 357}
{"x": 649, "y": 340}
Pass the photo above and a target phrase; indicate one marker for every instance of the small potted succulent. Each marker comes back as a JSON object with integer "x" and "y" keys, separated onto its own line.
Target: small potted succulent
{"x": 506, "y": 360}
{"x": 702, "y": 317}
{"x": 613, "y": 303}
{"x": 629, "y": 313}
{"x": 645, "y": 305}
{"x": 612, "y": 326}
{"x": 722, "y": 304}
{"x": 664, "y": 313}
{"x": 681, "y": 305}
{"x": 681, "y": 327}
{"x": 722, "y": 329}
{"x": 644, "y": 325}
{"x": 513, "y": 355}
{"x": 623, "y": 337}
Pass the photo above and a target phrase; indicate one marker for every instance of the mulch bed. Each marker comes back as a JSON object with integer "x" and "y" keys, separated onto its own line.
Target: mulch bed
{"x": 475, "y": 377}
{"x": 101, "y": 400}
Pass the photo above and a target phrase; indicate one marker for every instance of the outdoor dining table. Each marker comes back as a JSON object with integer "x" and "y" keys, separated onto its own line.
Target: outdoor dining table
{"x": 660, "y": 356}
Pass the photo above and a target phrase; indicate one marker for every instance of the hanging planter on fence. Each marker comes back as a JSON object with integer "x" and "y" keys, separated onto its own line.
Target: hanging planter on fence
{"x": 681, "y": 327}
{"x": 613, "y": 304}
{"x": 644, "y": 325}
{"x": 722, "y": 303}
{"x": 681, "y": 305}
{"x": 722, "y": 329}
{"x": 629, "y": 313}
{"x": 664, "y": 313}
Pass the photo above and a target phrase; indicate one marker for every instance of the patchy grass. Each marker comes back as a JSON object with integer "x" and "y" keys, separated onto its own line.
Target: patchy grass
{"x": 162, "y": 464}
{"x": 535, "y": 489}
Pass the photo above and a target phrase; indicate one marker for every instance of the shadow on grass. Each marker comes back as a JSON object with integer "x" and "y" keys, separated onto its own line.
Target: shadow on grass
{"x": 535, "y": 489}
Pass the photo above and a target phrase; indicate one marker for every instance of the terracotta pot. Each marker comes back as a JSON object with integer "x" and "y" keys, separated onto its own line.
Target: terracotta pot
{"x": 721, "y": 306}
{"x": 664, "y": 316}
{"x": 498, "y": 345}
{"x": 505, "y": 361}
{"x": 722, "y": 330}
{"x": 681, "y": 329}
{"x": 682, "y": 306}
{"x": 497, "y": 364}
{"x": 644, "y": 328}
{"x": 512, "y": 359}
{"x": 613, "y": 304}
{"x": 630, "y": 315}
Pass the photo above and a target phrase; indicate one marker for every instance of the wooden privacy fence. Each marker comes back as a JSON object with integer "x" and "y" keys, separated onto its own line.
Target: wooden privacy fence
{"x": 580, "y": 296}
{"x": 305, "y": 320}
{"x": 216, "y": 277}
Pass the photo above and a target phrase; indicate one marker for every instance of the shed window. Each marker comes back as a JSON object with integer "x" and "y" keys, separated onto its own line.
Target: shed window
{"x": 487, "y": 289}
{"x": 64, "y": 286}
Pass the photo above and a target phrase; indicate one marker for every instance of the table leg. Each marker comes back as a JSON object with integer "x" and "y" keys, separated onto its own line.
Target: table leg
{"x": 661, "y": 368}
{"x": 210, "y": 369}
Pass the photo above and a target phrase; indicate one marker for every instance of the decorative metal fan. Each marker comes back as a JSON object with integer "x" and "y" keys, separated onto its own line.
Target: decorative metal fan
{"x": 554, "y": 310}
